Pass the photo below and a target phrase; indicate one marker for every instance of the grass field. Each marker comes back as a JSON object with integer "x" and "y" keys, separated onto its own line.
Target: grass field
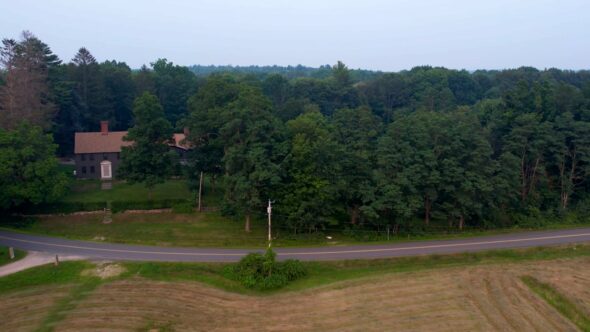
{"x": 5, "y": 256}
{"x": 164, "y": 229}
{"x": 208, "y": 229}
{"x": 475, "y": 292}
{"x": 90, "y": 191}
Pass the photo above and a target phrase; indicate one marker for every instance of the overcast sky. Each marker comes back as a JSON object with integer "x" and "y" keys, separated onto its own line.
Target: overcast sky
{"x": 373, "y": 34}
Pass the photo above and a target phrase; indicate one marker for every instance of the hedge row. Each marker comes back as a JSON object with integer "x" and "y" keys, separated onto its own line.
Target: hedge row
{"x": 116, "y": 206}
{"x": 120, "y": 206}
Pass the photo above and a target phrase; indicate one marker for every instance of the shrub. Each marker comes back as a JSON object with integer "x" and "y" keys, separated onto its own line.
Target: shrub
{"x": 63, "y": 207}
{"x": 263, "y": 272}
{"x": 185, "y": 207}
{"x": 119, "y": 206}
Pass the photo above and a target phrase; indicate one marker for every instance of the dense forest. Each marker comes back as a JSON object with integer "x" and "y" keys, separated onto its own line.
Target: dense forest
{"x": 333, "y": 147}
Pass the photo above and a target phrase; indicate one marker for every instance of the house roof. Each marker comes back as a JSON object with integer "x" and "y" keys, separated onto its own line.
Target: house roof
{"x": 178, "y": 142}
{"x": 98, "y": 142}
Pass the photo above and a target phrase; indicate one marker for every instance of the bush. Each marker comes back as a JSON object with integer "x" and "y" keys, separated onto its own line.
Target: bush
{"x": 119, "y": 206}
{"x": 62, "y": 207}
{"x": 185, "y": 207}
{"x": 263, "y": 272}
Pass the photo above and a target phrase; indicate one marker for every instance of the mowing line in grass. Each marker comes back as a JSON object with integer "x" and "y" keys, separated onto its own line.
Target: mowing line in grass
{"x": 67, "y": 304}
{"x": 559, "y": 302}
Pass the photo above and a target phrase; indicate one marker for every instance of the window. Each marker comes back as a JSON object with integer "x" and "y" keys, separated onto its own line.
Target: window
{"x": 105, "y": 157}
{"x": 118, "y": 155}
{"x": 91, "y": 169}
{"x": 84, "y": 170}
{"x": 83, "y": 157}
{"x": 91, "y": 156}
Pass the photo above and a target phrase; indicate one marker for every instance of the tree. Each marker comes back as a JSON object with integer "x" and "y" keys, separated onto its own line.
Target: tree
{"x": 144, "y": 81}
{"x": 251, "y": 138}
{"x": 341, "y": 75}
{"x": 85, "y": 72}
{"x": 204, "y": 122}
{"x": 466, "y": 169}
{"x": 572, "y": 156}
{"x": 277, "y": 88}
{"x": 118, "y": 88}
{"x": 29, "y": 172}
{"x": 310, "y": 170}
{"x": 408, "y": 158}
{"x": 174, "y": 85}
{"x": 149, "y": 160}
{"x": 356, "y": 131}
{"x": 87, "y": 69}
{"x": 528, "y": 140}
{"x": 26, "y": 95}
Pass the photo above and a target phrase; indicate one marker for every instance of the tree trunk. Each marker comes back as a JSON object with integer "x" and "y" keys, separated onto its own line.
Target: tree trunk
{"x": 461, "y": 222}
{"x": 247, "y": 224}
{"x": 150, "y": 194}
{"x": 564, "y": 200}
{"x": 427, "y": 207}
{"x": 354, "y": 215}
{"x": 213, "y": 177}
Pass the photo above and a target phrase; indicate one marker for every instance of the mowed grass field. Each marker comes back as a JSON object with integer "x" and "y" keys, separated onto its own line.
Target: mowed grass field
{"x": 475, "y": 292}
{"x": 90, "y": 191}
{"x": 208, "y": 229}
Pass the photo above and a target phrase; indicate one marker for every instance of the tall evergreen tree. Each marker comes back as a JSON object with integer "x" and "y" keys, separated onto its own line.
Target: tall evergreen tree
{"x": 26, "y": 94}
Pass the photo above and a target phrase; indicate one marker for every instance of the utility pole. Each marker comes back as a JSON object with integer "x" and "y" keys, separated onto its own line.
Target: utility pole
{"x": 200, "y": 208}
{"x": 269, "y": 211}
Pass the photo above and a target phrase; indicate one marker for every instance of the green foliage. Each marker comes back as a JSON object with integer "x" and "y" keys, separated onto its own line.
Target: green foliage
{"x": 173, "y": 84}
{"x": 251, "y": 138}
{"x": 463, "y": 148}
{"x": 65, "y": 207}
{"x": 121, "y": 205}
{"x": 263, "y": 272}
{"x": 186, "y": 207}
{"x": 149, "y": 160}
{"x": 309, "y": 193}
{"x": 29, "y": 172}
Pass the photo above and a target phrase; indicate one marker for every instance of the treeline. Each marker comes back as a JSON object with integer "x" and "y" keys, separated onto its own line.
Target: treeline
{"x": 427, "y": 146}
{"x": 289, "y": 72}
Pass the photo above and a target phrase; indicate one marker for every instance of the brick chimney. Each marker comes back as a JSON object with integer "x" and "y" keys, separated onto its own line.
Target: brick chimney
{"x": 104, "y": 127}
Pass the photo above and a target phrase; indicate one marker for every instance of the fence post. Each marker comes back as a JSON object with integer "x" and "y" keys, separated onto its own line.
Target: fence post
{"x": 11, "y": 252}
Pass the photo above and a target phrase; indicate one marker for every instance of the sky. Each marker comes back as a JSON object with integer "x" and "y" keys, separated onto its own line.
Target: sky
{"x": 371, "y": 34}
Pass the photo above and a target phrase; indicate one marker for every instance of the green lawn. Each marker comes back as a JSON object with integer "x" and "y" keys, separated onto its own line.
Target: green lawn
{"x": 207, "y": 229}
{"x": 5, "y": 257}
{"x": 90, "y": 191}
{"x": 89, "y": 195}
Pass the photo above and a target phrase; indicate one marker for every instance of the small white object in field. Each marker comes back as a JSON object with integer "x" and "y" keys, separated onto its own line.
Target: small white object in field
{"x": 329, "y": 237}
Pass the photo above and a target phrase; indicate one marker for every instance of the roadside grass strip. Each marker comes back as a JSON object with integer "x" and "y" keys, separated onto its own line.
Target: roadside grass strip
{"x": 559, "y": 302}
{"x": 5, "y": 255}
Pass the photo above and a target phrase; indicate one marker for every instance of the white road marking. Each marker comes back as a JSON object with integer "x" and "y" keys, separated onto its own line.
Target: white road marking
{"x": 450, "y": 245}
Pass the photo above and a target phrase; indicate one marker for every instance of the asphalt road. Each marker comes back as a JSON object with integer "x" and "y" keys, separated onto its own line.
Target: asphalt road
{"x": 110, "y": 251}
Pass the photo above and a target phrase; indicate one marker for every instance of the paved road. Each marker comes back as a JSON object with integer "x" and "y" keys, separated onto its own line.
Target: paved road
{"x": 111, "y": 251}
